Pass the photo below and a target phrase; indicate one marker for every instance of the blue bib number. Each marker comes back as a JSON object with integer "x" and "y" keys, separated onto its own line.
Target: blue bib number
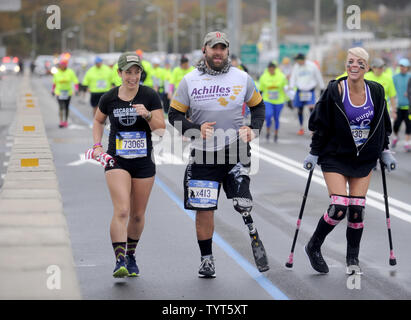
{"x": 360, "y": 134}
{"x": 202, "y": 194}
{"x": 131, "y": 144}
{"x": 306, "y": 96}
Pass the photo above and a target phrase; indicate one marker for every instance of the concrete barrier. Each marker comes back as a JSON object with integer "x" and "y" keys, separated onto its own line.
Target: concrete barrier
{"x": 36, "y": 260}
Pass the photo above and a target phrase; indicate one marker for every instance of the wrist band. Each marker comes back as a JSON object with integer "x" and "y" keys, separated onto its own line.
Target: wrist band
{"x": 97, "y": 145}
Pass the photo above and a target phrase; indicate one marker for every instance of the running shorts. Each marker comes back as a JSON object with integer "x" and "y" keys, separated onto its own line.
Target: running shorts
{"x": 95, "y": 98}
{"x": 202, "y": 183}
{"x": 138, "y": 168}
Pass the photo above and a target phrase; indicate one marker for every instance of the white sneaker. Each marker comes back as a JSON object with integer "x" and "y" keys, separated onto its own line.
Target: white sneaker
{"x": 207, "y": 268}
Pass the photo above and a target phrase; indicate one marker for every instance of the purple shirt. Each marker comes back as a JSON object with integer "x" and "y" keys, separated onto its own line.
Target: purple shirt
{"x": 359, "y": 116}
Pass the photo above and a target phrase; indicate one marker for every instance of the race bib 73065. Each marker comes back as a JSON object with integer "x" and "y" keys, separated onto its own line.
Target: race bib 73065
{"x": 131, "y": 145}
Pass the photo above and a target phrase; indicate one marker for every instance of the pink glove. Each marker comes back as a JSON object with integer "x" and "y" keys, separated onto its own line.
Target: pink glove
{"x": 106, "y": 160}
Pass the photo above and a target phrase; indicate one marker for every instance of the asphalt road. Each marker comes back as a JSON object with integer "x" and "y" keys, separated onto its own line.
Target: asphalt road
{"x": 168, "y": 254}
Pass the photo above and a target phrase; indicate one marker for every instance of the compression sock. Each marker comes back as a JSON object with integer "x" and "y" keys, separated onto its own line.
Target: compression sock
{"x": 355, "y": 225}
{"x": 119, "y": 250}
{"x": 206, "y": 247}
{"x": 131, "y": 246}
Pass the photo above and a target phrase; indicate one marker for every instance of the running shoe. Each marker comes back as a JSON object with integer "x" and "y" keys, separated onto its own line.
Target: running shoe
{"x": 275, "y": 138}
{"x": 316, "y": 258}
{"x": 65, "y": 124}
{"x": 260, "y": 256}
{"x": 300, "y": 132}
{"x": 61, "y": 124}
{"x": 353, "y": 266}
{"x": 267, "y": 137}
{"x": 407, "y": 148}
{"x": 120, "y": 271}
{"x": 394, "y": 142}
{"x": 132, "y": 267}
{"x": 207, "y": 268}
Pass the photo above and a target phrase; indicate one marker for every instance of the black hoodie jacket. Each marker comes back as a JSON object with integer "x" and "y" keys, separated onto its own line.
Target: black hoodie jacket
{"x": 332, "y": 134}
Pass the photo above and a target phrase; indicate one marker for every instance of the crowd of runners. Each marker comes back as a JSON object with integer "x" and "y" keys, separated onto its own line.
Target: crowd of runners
{"x": 220, "y": 108}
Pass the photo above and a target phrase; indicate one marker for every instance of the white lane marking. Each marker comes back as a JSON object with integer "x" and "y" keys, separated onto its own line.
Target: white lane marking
{"x": 168, "y": 158}
{"x": 83, "y": 161}
{"x": 74, "y": 126}
{"x": 371, "y": 193}
{"x": 374, "y": 199}
{"x": 86, "y": 266}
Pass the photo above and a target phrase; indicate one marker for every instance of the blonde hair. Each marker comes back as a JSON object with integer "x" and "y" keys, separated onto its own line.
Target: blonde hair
{"x": 359, "y": 52}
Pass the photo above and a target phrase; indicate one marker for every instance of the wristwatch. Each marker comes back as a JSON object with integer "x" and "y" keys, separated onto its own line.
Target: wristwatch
{"x": 149, "y": 116}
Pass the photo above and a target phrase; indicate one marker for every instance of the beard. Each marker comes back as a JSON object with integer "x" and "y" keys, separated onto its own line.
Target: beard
{"x": 214, "y": 66}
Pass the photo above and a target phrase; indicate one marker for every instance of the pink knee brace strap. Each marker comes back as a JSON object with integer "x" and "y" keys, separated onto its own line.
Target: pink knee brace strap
{"x": 339, "y": 202}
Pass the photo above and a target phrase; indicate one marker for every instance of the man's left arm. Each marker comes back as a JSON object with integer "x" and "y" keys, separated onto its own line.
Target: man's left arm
{"x": 257, "y": 110}
{"x": 257, "y": 116}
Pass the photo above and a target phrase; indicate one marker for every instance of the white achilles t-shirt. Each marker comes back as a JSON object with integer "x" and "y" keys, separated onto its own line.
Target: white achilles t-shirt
{"x": 217, "y": 98}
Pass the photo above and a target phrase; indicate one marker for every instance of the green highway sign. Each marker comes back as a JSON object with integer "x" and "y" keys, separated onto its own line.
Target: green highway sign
{"x": 249, "y": 54}
{"x": 291, "y": 50}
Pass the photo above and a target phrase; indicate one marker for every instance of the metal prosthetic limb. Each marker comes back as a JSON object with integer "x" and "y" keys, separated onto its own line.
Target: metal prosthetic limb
{"x": 244, "y": 206}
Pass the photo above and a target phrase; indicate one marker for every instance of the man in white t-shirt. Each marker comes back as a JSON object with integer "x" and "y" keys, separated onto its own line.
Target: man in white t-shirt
{"x": 305, "y": 77}
{"x": 214, "y": 93}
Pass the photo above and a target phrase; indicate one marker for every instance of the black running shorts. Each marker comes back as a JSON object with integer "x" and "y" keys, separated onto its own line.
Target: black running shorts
{"x": 95, "y": 98}
{"x": 138, "y": 168}
{"x": 202, "y": 183}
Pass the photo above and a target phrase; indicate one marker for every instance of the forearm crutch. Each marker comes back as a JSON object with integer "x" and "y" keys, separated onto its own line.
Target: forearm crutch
{"x": 289, "y": 263}
{"x": 393, "y": 260}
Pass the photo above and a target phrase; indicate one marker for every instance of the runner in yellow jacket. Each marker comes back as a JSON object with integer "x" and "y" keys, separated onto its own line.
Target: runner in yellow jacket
{"x": 178, "y": 74}
{"x": 377, "y": 74}
{"x": 63, "y": 81}
{"x": 98, "y": 80}
{"x": 272, "y": 84}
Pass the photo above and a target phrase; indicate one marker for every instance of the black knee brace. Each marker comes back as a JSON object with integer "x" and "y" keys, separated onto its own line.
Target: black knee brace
{"x": 356, "y": 213}
{"x": 337, "y": 210}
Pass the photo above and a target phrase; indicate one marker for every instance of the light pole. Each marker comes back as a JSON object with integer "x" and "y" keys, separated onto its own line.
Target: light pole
{"x": 115, "y": 33}
{"x": 340, "y": 15}
{"x": 175, "y": 26}
{"x": 202, "y": 18}
{"x": 64, "y": 35}
{"x": 160, "y": 28}
{"x": 274, "y": 37}
{"x": 130, "y": 27}
{"x": 234, "y": 22}
{"x": 83, "y": 20}
{"x": 34, "y": 31}
{"x": 159, "y": 13}
{"x": 317, "y": 12}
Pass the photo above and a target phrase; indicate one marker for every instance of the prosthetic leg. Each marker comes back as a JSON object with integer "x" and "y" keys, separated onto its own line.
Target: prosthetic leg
{"x": 244, "y": 206}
